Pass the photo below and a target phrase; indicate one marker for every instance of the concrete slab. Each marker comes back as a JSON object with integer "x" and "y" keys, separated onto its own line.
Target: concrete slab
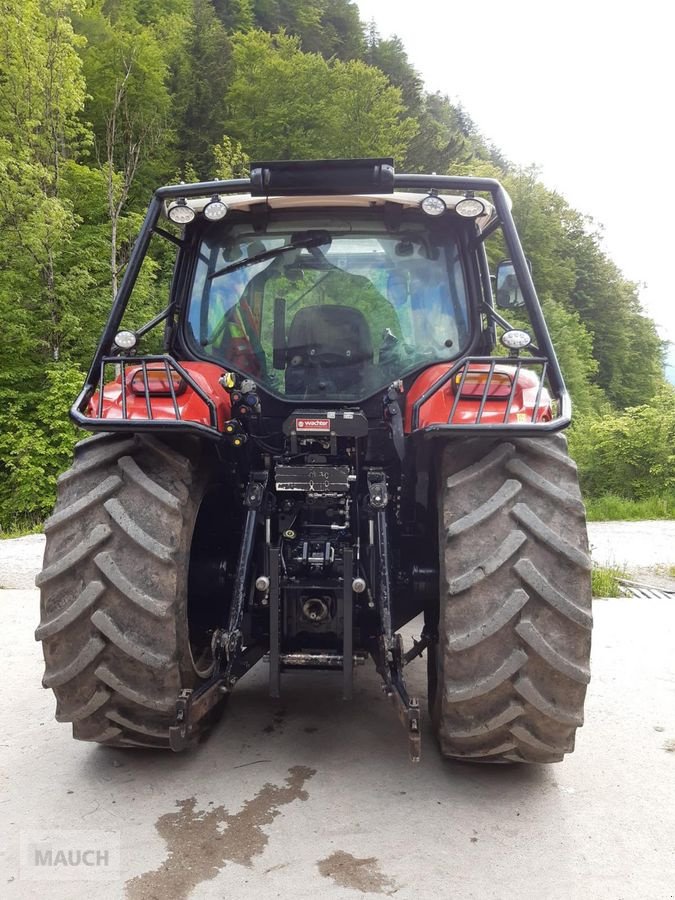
{"x": 314, "y": 798}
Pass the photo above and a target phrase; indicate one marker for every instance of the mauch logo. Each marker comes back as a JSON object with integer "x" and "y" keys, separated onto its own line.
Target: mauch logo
{"x": 71, "y": 855}
{"x": 312, "y": 424}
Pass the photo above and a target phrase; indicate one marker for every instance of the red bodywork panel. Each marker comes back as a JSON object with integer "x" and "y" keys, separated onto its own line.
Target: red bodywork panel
{"x": 436, "y": 410}
{"x": 190, "y": 405}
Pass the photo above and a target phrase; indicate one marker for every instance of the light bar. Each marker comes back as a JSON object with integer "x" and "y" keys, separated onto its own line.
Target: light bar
{"x": 322, "y": 176}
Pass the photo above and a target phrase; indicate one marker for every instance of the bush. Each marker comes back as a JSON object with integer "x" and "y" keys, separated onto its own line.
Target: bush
{"x": 36, "y": 445}
{"x": 630, "y": 455}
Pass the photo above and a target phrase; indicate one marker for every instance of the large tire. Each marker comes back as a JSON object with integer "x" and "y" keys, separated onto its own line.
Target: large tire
{"x": 114, "y": 588}
{"x": 508, "y": 677}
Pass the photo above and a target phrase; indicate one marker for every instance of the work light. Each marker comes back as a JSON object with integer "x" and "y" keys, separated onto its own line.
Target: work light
{"x": 215, "y": 209}
{"x": 180, "y": 213}
{"x": 125, "y": 340}
{"x": 470, "y": 208}
{"x": 433, "y": 205}
{"x": 516, "y": 339}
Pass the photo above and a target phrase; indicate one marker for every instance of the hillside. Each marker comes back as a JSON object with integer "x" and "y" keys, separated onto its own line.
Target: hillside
{"x": 103, "y": 101}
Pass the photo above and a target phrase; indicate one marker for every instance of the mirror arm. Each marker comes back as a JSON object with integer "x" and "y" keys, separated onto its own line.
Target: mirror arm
{"x": 494, "y": 315}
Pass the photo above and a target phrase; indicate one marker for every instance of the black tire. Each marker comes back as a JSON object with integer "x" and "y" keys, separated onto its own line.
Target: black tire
{"x": 114, "y": 588}
{"x": 508, "y": 677}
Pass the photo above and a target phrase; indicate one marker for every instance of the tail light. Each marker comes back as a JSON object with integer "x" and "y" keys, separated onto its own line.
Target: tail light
{"x": 475, "y": 384}
{"x": 157, "y": 382}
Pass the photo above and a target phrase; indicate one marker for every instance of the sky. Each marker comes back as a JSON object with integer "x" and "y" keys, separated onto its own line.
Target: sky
{"x": 584, "y": 90}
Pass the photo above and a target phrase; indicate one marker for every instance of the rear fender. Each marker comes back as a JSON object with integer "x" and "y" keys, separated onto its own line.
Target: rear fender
{"x": 438, "y": 408}
{"x": 191, "y": 407}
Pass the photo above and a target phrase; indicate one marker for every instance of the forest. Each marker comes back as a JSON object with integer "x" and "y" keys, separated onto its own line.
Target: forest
{"x": 101, "y": 101}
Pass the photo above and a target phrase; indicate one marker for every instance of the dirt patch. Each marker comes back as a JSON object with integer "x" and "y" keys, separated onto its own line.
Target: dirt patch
{"x": 361, "y": 875}
{"x": 201, "y": 842}
{"x": 669, "y": 746}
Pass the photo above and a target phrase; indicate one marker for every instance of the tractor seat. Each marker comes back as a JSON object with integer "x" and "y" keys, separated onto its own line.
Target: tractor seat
{"x": 330, "y": 342}
{"x": 330, "y": 336}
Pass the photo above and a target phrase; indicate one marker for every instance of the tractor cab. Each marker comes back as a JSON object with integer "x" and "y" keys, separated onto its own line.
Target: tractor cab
{"x": 332, "y": 301}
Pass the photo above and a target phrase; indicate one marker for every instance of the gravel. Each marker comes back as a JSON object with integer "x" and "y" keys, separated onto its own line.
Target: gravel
{"x": 20, "y": 561}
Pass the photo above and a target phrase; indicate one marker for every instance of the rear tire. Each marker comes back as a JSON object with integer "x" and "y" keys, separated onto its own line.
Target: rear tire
{"x": 508, "y": 677}
{"x": 114, "y": 588}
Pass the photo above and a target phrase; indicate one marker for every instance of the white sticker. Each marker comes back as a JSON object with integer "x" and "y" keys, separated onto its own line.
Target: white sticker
{"x": 312, "y": 424}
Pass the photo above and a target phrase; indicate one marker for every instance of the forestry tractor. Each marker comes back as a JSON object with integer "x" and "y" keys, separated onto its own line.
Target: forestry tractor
{"x": 348, "y": 414}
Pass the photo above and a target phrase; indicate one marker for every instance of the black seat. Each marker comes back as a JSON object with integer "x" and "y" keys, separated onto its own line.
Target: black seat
{"x": 330, "y": 344}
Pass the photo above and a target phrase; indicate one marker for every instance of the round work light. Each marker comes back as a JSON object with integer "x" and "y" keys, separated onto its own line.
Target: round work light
{"x": 470, "y": 208}
{"x": 180, "y": 213}
{"x": 515, "y": 339}
{"x": 215, "y": 209}
{"x": 125, "y": 340}
{"x": 433, "y": 205}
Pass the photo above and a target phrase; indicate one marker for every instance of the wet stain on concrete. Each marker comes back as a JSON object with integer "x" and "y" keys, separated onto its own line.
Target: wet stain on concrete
{"x": 201, "y": 842}
{"x": 361, "y": 875}
{"x": 277, "y": 723}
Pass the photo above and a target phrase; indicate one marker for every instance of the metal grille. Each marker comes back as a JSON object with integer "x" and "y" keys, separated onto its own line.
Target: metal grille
{"x": 146, "y": 368}
{"x": 486, "y": 367}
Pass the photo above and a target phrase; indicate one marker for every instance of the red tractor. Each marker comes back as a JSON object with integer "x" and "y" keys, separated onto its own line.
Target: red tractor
{"x": 351, "y": 423}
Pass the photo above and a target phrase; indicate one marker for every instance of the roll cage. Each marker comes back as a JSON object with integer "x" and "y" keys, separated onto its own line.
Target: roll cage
{"x": 340, "y": 177}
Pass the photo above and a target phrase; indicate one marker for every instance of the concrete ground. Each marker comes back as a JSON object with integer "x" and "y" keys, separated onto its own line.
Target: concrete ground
{"x": 315, "y": 798}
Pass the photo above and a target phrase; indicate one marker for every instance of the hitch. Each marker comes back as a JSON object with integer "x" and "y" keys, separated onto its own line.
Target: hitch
{"x": 193, "y": 705}
{"x": 408, "y": 710}
{"x": 231, "y": 658}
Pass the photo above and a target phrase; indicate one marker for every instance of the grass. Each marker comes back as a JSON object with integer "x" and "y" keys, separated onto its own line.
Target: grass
{"x": 20, "y": 529}
{"x": 605, "y": 581}
{"x": 611, "y": 507}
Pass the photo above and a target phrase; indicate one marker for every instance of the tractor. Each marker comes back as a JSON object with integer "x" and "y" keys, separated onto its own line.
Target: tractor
{"x": 347, "y": 415}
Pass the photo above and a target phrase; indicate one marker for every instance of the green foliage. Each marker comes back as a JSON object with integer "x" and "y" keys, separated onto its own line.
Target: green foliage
{"x": 605, "y": 581}
{"x": 569, "y": 266}
{"x": 329, "y": 27}
{"x": 36, "y": 443}
{"x": 631, "y": 454}
{"x": 287, "y": 104}
{"x": 199, "y": 84}
{"x": 612, "y": 508}
{"x": 230, "y": 159}
{"x": 574, "y": 348}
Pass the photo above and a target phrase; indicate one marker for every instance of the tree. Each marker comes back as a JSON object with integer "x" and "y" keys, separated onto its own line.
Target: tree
{"x": 286, "y": 104}
{"x": 199, "y": 85}
{"x": 129, "y": 105}
{"x": 630, "y": 454}
{"x": 231, "y": 161}
{"x": 329, "y": 27}
{"x": 41, "y": 94}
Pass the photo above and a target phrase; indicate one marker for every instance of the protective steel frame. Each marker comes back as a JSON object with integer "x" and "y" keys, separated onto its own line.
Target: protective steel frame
{"x": 420, "y": 183}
